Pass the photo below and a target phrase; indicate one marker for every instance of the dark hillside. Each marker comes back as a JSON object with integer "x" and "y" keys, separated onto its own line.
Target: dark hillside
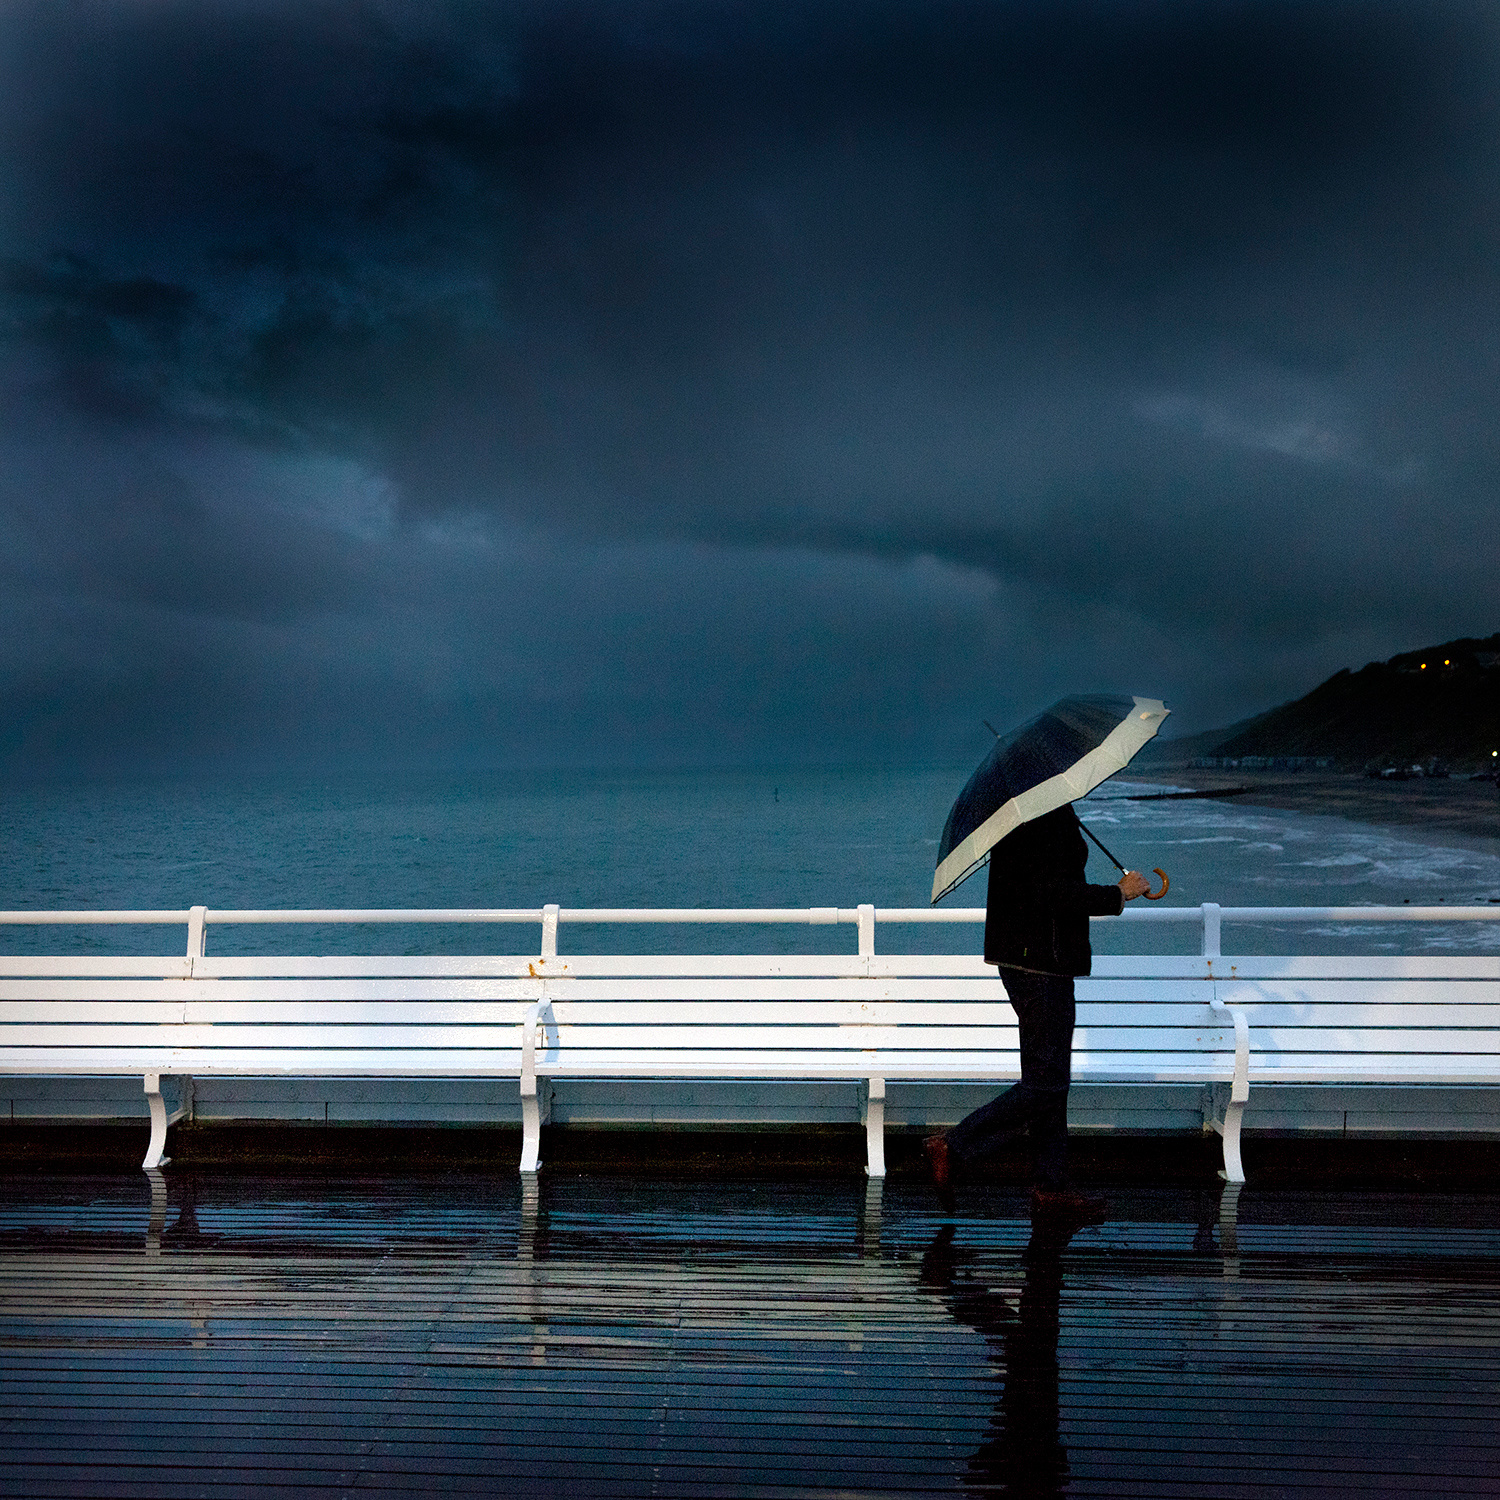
{"x": 1443, "y": 701}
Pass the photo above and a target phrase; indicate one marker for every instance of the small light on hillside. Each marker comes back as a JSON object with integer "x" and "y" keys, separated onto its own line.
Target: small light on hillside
{"x": 1424, "y": 666}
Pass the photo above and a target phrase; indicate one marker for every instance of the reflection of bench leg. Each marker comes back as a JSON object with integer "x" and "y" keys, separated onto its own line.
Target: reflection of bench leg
{"x": 530, "y": 1205}
{"x": 158, "y": 1209}
{"x": 875, "y": 1127}
{"x": 1229, "y": 1209}
{"x": 1229, "y": 1228}
{"x": 869, "y": 1219}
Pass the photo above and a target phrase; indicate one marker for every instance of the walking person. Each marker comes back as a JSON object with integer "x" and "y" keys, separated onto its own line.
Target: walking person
{"x": 1036, "y": 932}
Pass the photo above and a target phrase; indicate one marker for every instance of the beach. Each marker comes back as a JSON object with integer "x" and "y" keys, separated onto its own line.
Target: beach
{"x": 1457, "y": 812}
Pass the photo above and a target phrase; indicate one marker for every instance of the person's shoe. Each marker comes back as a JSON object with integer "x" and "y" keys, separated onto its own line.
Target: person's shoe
{"x": 940, "y": 1164}
{"x": 938, "y": 1160}
{"x": 1066, "y": 1205}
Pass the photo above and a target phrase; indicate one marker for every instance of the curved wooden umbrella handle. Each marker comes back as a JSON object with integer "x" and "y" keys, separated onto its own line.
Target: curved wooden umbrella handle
{"x": 1166, "y": 885}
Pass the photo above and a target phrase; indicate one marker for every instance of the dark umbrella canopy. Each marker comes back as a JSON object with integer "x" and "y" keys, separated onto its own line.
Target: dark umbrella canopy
{"x": 1053, "y": 759}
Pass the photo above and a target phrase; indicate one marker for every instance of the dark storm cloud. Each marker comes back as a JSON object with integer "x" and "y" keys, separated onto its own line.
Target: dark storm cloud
{"x": 684, "y": 371}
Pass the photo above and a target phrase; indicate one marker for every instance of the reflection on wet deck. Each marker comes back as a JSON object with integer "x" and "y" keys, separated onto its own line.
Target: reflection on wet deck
{"x": 609, "y": 1336}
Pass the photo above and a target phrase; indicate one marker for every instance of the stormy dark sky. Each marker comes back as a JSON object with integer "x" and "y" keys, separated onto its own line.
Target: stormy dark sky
{"x": 635, "y": 381}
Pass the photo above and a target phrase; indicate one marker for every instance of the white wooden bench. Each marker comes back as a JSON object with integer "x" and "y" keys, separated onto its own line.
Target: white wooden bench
{"x": 1209, "y": 1021}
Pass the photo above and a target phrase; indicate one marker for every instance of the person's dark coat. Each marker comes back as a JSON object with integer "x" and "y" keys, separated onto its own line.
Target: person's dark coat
{"x": 1039, "y": 904}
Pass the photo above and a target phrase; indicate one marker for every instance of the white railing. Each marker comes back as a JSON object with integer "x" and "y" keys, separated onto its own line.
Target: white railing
{"x": 1209, "y": 917}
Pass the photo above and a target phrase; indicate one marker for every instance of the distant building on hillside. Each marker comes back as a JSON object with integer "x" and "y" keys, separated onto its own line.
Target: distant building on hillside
{"x": 1262, "y": 763}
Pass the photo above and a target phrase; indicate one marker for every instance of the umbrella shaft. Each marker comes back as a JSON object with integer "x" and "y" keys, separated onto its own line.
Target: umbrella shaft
{"x": 1110, "y": 857}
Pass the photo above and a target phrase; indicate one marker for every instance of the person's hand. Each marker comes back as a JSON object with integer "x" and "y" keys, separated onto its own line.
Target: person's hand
{"x": 1132, "y": 884}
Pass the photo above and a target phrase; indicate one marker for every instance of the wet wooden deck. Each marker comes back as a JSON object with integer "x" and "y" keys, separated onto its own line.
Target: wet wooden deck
{"x": 623, "y": 1337}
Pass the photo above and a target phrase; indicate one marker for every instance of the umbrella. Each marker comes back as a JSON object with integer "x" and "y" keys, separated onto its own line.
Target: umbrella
{"x": 1057, "y": 757}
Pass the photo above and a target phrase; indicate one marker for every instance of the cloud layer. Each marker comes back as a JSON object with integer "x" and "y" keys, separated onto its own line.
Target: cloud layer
{"x": 631, "y": 380}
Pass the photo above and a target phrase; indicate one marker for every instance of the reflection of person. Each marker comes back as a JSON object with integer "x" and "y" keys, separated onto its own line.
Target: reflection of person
{"x": 1036, "y": 931}
{"x": 1024, "y": 1454}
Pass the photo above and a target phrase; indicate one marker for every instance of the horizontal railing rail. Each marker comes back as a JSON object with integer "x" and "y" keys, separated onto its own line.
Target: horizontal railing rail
{"x": 1209, "y": 917}
{"x": 807, "y": 916}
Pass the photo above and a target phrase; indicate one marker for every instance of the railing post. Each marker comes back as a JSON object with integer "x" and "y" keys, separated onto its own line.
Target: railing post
{"x": 197, "y": 931}
{"x": 549, "y": 931}
{"x": 866, "y": 931}
{"x": 1211, "y": 930}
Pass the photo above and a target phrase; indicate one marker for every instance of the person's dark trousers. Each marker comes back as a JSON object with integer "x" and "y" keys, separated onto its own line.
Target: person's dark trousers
{"x": 1045, "y": 1007}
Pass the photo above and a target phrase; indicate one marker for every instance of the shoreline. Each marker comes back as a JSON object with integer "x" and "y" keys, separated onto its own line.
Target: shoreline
{"x": 1460, "y": 813}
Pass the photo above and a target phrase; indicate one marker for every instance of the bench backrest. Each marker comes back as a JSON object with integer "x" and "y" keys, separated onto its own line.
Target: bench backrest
{"x": 1431, "y": 1019}
{"x": 1427, "y": 1018}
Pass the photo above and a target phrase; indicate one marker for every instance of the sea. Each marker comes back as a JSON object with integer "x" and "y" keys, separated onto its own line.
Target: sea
{"x": 797, "y": 837}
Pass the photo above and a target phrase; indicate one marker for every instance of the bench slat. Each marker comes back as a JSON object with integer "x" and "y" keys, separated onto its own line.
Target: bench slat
{"x": 1280, "y": 1042}
{"x": 1264, "y": 995}
{"x": 1336, "y": 1016}
{"x": 1483, "y": 1013}
{"x": 1106, "y": 966}
{"x": 565, "y": 1038}
{"x": 257, "y": 1063}
{"x": 86, "y": 966}
{"x": 613, "y": 1012}
{"x": 1096, "y": 997}
{"x": 1341, "y": 1067}
{"x": 662, "y": 991}
{"x": 147, "y": 991}
{"x": 1359, "y": 966}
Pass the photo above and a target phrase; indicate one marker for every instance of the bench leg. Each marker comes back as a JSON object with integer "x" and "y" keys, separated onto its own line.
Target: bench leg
{"x": 868, "y": 1238}
{"x": 1223, "y": 1112}
{"x": 875, "y": 1127}
{"x": 160, "y": 1119}
{"x": 158, "y": 1107}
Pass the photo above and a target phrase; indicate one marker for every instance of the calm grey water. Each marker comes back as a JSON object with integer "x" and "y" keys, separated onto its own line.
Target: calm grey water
{"x": 666, "y": 838}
